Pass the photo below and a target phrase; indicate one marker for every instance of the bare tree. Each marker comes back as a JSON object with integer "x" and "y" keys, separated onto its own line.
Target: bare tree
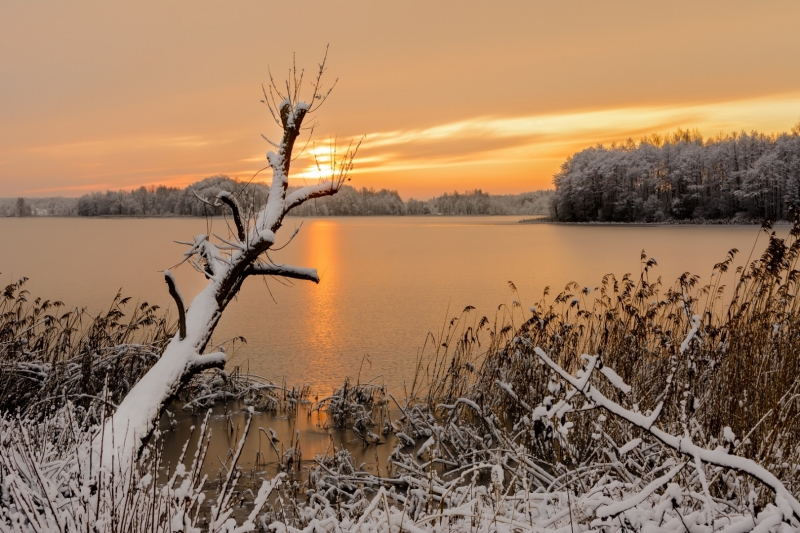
{"x": 226, "y": 263}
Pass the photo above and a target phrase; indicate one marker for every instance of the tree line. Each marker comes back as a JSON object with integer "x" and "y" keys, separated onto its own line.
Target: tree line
{"x": 168, "y": 201}
{"x": 28, "y": 207}
{"x": 680, "y": 176}
{"x": 350, "y": 201}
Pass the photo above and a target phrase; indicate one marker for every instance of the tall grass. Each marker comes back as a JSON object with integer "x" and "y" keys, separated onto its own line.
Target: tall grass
{"x": 49, "y": 353}
{"x": 738, "y": 373}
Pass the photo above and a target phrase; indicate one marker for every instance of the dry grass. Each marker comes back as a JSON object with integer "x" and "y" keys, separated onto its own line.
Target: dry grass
{"x": 49, "y": 354}
{"x": 741, "y": 369}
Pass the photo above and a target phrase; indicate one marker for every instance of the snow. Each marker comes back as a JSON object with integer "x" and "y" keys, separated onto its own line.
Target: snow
{"x": 618, "y": 507}
{"x": 425, "y": 446}
{"x": 630, "y": 446}
{"x": 135, "y": 416}
{"x": 323, "y": 188}
{"x": 498, "y": 476}
{"x": 692, "y": 333}
{"x": 404, "y": 439}
{"x": 615, "y": 379}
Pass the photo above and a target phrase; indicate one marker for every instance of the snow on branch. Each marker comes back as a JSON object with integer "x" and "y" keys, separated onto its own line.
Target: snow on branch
{"x": 616, "y": 508}
{"x": 198, "y": 363}
{"x": 784, "y": 500}
{"x": 286, "y": 271}
{"x": 310, "y": 192}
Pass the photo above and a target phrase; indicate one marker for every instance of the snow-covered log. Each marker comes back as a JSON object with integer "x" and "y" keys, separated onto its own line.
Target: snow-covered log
{"x": 226, "y": 267}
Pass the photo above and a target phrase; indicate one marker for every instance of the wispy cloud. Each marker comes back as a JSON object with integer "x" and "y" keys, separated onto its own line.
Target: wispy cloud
{"x": 491, "y": 140}
{"x": 497, "y": 152}
{"x": 96, "y": 147}
{"x": 67, "y": 189}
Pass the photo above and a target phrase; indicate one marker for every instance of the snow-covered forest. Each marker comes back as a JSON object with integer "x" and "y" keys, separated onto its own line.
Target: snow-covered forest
{"x": 680, "y": 176}
{"x": 350, "y": 201}
{"x": 57, "y": 206}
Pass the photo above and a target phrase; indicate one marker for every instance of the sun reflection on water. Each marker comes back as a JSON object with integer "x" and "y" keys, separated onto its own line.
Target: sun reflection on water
{"x": 322, "y": 319}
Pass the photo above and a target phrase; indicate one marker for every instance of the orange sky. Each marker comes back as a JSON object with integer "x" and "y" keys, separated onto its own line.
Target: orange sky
{"x": 99, "y": 95}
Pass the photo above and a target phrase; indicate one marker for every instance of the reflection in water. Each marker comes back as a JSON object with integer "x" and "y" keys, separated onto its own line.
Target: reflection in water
{"x": 261, "y": 456}
{"x": 322, "y": 320}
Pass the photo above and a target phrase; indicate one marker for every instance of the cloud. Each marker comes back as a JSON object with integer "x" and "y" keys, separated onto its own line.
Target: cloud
{"x": 508, "y": 153}
{"x": 492, "y": 140}
{"x": 95, "y": 147}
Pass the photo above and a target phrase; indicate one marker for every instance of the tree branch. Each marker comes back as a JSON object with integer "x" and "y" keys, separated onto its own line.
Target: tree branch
{"x": 178, "y": 297}
{"x": 230, "y": 201}
{"x": 287, "y": 271}
{"x": 202, "y": 362}
{"x": 683, "y": 445}
{"x": 309, "y": 192}
{"x": 138, "y": 413}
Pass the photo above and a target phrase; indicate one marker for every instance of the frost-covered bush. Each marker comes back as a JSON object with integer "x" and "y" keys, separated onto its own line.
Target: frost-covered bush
{"x": 687, "y": 403}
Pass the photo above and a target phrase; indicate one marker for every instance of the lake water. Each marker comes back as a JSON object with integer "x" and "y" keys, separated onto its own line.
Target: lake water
{"x": 386, "y": 282}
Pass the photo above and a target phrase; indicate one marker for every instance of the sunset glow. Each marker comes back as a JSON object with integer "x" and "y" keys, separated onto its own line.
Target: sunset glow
{"x": 146, "y": 96}
{"x": 530, "y": 149}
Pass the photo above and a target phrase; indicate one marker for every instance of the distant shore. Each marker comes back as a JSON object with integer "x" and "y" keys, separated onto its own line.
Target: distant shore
{"x": 531, "y": 219}
{"x": 671, "y": 222}
{"x": 290, "y": 215}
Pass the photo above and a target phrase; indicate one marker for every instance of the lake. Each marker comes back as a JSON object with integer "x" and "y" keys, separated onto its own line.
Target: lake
{"x": 386, "y": 281}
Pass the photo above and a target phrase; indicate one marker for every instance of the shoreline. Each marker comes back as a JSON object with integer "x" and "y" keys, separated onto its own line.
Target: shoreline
{"x": 688, "y": 222}
{"x": 538, "y": 219}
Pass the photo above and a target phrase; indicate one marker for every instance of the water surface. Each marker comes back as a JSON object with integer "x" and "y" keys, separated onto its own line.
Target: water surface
{"x": 386, "y": 281}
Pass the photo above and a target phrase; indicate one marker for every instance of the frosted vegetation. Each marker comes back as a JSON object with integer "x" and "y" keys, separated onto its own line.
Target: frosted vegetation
{"x": 38, "y": 207}
{"x": 634, "y": 406}
{"x": 680, "y": 176}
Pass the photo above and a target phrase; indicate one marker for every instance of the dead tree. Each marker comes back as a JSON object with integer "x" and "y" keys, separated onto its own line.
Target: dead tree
{"x": 226, "y": 263}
